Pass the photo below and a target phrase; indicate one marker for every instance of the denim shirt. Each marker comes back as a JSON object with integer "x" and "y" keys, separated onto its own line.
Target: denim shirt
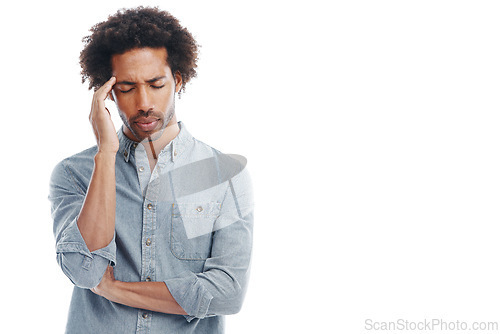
{"x": 187, "y": 223}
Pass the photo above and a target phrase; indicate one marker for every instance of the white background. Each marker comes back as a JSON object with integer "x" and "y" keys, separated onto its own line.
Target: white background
{"x": 372, "y": 134}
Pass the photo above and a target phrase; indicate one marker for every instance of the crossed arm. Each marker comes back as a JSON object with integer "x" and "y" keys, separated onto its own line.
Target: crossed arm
{"x": 153, "y": 296}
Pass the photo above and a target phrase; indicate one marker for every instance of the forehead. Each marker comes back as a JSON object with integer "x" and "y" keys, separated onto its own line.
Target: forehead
{"x": 140, "y": 64}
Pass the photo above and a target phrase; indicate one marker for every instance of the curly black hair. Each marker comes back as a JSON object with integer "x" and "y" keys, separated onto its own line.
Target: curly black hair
{"x": 136, "y": 28}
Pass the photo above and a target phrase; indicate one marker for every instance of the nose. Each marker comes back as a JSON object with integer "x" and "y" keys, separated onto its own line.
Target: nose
{"x": 144, "y": 102}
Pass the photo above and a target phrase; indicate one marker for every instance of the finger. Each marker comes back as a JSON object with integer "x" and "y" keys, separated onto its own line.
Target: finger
{"x": 109, "y": 85}
{"x": 100, "y": 95}
{"x": 104, "y": 90}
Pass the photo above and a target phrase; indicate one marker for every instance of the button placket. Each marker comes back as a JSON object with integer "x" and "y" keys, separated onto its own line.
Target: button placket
{"x": 147, "y": 248}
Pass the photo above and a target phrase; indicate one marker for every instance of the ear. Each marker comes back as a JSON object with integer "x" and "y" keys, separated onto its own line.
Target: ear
{"x": 178, "y": 81}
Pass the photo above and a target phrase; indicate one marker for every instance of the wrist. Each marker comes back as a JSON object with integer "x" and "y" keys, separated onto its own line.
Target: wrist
{"x": 108, "y": 289}
{"x": 105, "y": 156}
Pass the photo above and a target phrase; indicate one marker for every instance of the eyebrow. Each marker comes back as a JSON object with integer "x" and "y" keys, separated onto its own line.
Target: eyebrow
{"x": 131, "y": 83}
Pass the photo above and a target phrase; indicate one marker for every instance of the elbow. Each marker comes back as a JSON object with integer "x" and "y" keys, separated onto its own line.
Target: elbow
{"x": 235, "y": 304}
{"x": 230, "y": 302}
{"x": 226, "y": 306}
{"x": 83, "y": 271}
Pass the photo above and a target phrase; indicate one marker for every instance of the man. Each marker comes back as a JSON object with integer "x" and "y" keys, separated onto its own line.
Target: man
{"x": 153, "y": 227}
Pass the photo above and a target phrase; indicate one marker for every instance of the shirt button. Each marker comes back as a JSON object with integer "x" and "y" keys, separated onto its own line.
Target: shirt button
{"x": 199, "y": 209}
{"x": 135, "y": 145}
{"x": 148, "y": 279}
{"x": 175, "y": 153}
{"x": 125, "y": 154}
{"x": 148, "y": 242}
{"x": 150, "y": 206}
{"x": 144, "y": 315}
{"x": 141, "y": 169}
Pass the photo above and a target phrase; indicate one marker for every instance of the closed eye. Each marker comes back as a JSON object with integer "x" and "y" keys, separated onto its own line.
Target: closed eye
{"x": 153, "y": 86}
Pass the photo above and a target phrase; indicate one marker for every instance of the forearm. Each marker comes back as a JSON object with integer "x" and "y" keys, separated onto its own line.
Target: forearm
{"x": 153, "y": 296}
{"x": 96, "y": 221}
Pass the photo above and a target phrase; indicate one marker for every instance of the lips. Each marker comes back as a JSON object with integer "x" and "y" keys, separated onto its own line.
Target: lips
{"x": 147, "y": 124}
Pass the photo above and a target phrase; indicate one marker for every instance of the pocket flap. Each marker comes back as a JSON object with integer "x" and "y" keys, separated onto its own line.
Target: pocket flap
{"x": 197, "y": 210}
{"x": 197, "y": 218}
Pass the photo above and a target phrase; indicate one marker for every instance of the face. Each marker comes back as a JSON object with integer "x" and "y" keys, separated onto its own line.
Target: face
{"x": 144, "y": 92}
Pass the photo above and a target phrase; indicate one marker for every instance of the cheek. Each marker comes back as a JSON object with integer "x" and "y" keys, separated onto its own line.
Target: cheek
{"x": 123, "y": 104}
{"x": 163, "y": 101}
{"x": 167, "y": 100}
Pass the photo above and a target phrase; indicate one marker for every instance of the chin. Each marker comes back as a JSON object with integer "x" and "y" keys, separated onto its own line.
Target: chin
{"x": 150, "y": 135}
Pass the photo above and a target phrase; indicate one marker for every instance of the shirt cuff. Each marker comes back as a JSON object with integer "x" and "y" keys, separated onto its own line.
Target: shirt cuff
{"x": 189, "y": 292}
{"x": 85, "y": 269}
{"x": 71, "y": 241}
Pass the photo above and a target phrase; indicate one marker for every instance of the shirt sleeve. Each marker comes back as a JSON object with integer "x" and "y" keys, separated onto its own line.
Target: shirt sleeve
{"x": 221, "y": 287}
{"x": 85, "y": 269}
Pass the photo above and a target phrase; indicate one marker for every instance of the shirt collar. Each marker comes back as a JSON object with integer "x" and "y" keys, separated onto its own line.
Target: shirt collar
{"x": 176, "y": 147}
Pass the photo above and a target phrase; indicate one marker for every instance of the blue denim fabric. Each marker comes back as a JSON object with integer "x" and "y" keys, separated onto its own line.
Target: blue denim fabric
{"x": 187, "y": 223}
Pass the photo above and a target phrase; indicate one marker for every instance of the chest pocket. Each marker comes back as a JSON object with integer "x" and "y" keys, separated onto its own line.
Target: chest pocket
{"x": 192, "y": 226}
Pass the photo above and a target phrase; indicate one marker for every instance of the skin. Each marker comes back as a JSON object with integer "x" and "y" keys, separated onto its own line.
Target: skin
{"x": 143, "y": 89}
